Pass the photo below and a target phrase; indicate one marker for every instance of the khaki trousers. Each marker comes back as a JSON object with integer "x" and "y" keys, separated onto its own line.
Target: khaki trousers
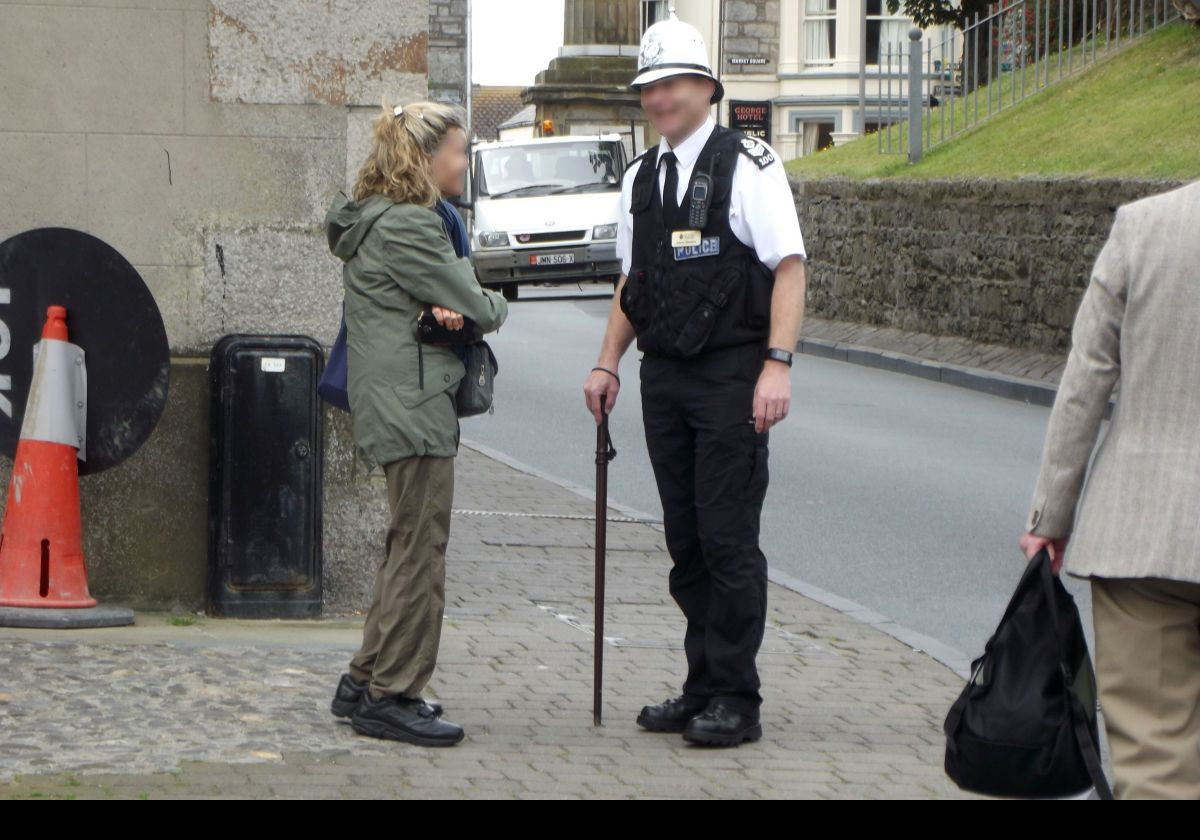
{"x": 1148, "y": 672}
{"x": 404, "y": 625}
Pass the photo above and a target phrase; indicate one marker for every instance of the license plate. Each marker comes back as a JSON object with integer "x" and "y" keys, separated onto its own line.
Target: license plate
{"x": 551, "y": 259}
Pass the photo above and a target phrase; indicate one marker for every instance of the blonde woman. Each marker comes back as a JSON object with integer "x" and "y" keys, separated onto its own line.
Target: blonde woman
{"x": 399, "y": 261}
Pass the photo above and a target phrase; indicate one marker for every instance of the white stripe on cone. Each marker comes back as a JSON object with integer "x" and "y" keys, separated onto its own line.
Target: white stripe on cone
{"x": 56, "y": 411}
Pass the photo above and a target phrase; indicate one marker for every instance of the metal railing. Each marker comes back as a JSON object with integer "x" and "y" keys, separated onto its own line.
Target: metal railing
{"x": 930, "y": 90}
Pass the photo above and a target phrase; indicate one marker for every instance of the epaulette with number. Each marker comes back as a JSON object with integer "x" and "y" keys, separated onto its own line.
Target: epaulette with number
{"x": 757, "y": 151}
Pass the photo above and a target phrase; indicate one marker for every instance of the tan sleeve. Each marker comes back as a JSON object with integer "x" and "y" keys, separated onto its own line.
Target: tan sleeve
{"x": 1092, "y": 369}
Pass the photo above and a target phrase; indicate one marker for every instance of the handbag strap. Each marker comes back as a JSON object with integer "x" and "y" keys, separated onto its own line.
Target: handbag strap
{"x": 954, "y": 716}
{"x": 1087, "y": 747}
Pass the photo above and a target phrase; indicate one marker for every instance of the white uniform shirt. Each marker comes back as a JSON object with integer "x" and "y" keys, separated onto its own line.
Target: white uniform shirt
{"x": 762, "y": 210}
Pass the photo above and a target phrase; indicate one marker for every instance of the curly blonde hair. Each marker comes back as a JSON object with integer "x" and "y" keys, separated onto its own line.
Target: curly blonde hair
{"x": 402, "y": 141}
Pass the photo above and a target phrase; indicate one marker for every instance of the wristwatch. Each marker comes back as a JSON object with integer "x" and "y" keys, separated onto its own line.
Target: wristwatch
{"x": 780, "y": 356}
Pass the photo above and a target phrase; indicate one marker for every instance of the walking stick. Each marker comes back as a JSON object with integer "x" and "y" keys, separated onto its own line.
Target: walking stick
{"x": 604, "y": 453}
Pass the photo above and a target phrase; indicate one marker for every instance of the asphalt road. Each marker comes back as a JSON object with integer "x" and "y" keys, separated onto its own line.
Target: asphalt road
{"x": 904, "y": 495}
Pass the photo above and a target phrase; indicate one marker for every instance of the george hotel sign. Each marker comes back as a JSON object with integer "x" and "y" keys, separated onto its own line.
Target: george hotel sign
{"x": 751, "y": 118}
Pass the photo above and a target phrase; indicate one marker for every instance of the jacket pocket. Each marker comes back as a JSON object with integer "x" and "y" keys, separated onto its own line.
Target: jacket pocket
{"x": 703, "y": 298}
{"x": 412, "y": 395}
{"x": 634, "y": 298}
{"x": 427, "y": 418}
{"x": 756, "y": 483}
{"x": 437, "y": 375}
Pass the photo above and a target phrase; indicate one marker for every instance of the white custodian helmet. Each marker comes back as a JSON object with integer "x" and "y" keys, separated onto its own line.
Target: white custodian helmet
{"x": 671, "y": 48}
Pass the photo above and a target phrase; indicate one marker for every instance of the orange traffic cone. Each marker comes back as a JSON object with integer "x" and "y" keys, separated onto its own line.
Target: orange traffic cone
{"x": 41, "y": 548}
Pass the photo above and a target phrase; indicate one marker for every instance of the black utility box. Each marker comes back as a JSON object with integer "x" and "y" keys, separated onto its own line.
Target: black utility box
{"x": 265, "y": 470}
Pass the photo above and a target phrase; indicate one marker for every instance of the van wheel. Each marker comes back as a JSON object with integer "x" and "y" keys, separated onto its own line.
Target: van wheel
{"x": 509, "y": 290}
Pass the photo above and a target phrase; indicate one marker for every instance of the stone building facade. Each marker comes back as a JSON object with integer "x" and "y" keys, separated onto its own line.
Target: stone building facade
{"x": 204, "y": 141}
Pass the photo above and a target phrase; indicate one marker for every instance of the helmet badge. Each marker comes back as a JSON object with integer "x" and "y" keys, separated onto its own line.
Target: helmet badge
{"x": 652, "y": 50}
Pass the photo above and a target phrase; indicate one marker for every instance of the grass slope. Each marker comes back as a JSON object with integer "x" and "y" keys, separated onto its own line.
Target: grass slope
{"x": 1136, "y": 113}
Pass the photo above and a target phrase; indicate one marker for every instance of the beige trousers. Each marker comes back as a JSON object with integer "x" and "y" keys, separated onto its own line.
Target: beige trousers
{"x": 404, "y": 624}
{"x": 1148, "y": 672}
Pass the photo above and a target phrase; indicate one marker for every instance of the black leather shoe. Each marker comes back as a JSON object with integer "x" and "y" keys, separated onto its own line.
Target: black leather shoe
{"x": 404, "y": 719}
{"x": 350, "y": 691}
{"x": 671, "y": 715}
{"x": 723, "y": 725}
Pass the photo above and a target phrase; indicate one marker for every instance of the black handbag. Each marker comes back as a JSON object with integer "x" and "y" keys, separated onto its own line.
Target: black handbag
{"x": 1025, "y": 723}
{"x": 474, "y": 394}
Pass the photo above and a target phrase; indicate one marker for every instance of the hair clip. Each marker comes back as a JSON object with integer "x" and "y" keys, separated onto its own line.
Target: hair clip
{"x": 399, "y": 109}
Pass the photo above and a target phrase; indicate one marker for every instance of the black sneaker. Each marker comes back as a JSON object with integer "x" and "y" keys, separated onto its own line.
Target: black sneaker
{"x": 723, "y": 724}
{"x": 350, "y": 691}
{"x": 671, "y": 715}
{"x": 404, "y": 719}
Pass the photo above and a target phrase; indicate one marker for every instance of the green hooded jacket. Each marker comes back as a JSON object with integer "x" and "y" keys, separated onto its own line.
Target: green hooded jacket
{"x": 398, "y": 259}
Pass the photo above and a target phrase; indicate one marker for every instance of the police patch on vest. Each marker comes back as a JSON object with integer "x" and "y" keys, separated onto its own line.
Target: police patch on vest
{"x": 757, "y": 152}
{"x": 709, "y": 246}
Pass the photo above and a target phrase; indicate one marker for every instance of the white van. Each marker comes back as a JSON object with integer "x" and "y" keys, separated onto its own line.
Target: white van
{"x": 545, "y": 210}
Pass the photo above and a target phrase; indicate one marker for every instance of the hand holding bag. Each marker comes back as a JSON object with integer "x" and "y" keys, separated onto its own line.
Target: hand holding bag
{"x": 429, "y": 331}
{"x": 1025, "y": 723}
{"x": 474, "y": 394}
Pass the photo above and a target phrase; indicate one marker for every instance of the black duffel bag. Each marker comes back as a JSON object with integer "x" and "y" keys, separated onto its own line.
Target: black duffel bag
{"x": 1025, "y": 723}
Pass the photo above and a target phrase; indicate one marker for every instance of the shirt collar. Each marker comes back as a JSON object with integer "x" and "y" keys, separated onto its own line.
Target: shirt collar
{"x": 687, "y": 151}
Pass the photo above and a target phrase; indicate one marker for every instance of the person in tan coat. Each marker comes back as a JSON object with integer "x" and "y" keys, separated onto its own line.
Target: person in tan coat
{"x": 1136, "y": 533}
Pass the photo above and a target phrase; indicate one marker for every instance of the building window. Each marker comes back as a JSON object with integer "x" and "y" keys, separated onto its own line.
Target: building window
{"x": 815, "y": 137}
{"x": 884, "y": 31}
{"x": 653, "y": 11}
{"x": 820, "y": 31}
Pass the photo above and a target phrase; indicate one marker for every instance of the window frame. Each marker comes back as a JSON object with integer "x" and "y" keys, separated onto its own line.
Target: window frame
{"x": 880, "y": 18}
{"x": 827, "y": 18}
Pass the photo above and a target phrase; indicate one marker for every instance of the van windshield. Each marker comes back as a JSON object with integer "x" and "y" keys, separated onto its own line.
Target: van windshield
{"x": 549, "y": 169}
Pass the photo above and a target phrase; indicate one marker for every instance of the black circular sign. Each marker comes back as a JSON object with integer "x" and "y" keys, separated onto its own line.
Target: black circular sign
{"x": 110, "y": 314}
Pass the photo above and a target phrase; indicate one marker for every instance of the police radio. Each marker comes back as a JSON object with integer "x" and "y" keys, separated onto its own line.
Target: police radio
{"x": 702, "y": 184}
{"x": 698, "y": 207}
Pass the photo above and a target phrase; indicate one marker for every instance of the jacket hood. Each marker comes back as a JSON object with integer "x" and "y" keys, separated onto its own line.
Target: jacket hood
{"x": 348, "y": 221}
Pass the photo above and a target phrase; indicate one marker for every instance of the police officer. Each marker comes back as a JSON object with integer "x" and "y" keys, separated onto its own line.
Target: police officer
{"x": 713, "y": 289}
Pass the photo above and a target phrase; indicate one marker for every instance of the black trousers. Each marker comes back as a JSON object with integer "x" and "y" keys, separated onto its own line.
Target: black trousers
{"x": 711, "y": 469}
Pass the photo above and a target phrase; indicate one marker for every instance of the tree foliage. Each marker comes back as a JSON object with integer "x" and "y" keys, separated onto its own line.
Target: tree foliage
{"x": 926, "y": 13}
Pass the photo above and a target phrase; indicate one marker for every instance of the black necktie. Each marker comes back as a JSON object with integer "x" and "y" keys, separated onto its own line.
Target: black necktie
{"x": 670, "y": 190}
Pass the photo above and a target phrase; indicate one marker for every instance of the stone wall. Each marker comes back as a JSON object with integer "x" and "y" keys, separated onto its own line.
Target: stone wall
{"x": 751, "y": 37}
{"x": 447, "y": 51}
{"x": 1003, "y": 261}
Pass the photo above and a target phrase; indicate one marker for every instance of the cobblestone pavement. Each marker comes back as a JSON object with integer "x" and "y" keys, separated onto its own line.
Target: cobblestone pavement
{"x": 235, "y": 709}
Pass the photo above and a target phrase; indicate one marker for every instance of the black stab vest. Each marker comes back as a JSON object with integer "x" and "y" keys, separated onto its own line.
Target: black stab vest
{"x": 685, "y": 306}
